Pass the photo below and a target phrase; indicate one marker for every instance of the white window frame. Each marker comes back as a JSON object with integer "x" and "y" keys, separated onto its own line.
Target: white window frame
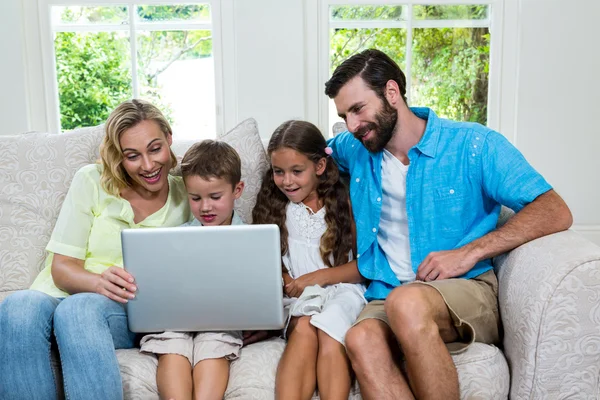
{"x": 52, "y": 106}
{"x": 317, "y": 15}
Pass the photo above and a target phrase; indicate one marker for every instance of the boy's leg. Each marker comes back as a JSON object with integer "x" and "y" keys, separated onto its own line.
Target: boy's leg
{"x": 174, "y": 377}
{"x": 296, "y": 372}
{"x": 210, "y": 379}
{"x": 333, "y": 369}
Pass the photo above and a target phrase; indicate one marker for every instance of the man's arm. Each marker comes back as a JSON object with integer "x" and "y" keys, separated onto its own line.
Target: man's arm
{"x": 545, "y": 215}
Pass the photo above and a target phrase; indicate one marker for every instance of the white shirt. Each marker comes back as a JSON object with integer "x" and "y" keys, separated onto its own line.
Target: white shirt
{"x": 393, "y": 226}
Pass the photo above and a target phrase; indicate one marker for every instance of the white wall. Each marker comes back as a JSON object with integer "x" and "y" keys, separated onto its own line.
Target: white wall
{"x": 549, "y": 95}
{"x": 13, "y": 89}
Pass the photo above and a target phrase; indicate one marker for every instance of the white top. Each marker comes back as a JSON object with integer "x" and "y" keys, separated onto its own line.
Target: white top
{"x": 305, "y": 229}
{"x": 393, "y": 225}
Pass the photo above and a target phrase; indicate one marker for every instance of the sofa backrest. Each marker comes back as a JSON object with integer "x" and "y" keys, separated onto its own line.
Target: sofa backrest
{"x": 36, "y": 170}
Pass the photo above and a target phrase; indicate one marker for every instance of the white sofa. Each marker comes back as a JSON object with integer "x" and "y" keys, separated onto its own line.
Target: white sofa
{"x": 549, "y": 289}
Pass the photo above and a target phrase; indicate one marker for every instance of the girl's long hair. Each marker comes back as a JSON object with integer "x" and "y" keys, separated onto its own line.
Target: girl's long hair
{"x": 271, "y": 203}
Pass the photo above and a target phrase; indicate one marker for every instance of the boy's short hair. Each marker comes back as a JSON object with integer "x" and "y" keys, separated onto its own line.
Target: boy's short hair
{"x": 212, "y": 159}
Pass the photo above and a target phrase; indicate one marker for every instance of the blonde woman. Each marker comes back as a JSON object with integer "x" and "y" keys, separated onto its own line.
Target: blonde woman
{"x": 78, "y": 297}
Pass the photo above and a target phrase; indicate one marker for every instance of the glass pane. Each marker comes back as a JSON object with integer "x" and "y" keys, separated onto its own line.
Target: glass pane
{"x": 79, "y": 15}
{"x": 176, "y": 73}
{"x": 347, "y": 42}
{"x": 179, "y": 12}
{"x": 368, "y": 13}
{"x": 450, "y": 72}
{"x": 451, "y": 12}
{"x": 94, "y": 76}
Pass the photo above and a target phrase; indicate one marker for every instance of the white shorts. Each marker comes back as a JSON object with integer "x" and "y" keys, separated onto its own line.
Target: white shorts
{"x": 195, "y": 346}
{"x": 332, "y": 309}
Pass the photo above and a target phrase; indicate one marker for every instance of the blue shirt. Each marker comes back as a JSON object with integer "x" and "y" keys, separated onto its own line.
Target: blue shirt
{"x": 460, "y": 174}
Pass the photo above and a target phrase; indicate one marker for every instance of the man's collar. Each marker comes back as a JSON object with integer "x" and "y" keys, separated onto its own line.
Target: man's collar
{"x": 429, "y": 141}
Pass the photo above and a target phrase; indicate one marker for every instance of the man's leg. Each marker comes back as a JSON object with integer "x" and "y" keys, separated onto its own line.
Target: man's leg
{"x": 421, "y": 322}
{"x": 374, "y": 354}
{"x": 88, "y": 328}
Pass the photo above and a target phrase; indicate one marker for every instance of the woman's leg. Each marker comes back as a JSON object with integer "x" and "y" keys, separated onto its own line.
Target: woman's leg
{"x": 210, "y": 379}
{"x": 174, "y": 377}
{"x": 333, "y": 369}
{"x": 88, "y": 328}
{"x": 296, "y": 372}
{"x": 25, "y": 332}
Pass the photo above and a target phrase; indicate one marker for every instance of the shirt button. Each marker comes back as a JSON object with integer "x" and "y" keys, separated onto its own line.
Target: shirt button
{"x": 374, "y": 229}
{"x": 352, "y": 145}
{"x": 358, "y": 256}
{"x": 475, "y": 146}
{"x": 473, "y": 154}
{"x": 357, "y": 180}
{"x": 477, "y": 138}
{"x": 379, "y": 199}
{"x": 451, "y": 191}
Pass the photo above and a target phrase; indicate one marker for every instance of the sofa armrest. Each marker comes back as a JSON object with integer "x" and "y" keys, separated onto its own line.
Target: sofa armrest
{"x": 549, "y": 298}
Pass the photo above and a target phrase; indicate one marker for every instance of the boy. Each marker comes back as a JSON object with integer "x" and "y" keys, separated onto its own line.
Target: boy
{"x": 196, "y": 365}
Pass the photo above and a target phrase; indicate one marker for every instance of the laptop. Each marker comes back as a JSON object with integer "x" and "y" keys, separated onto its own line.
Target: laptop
{"x": 204, "y": 278}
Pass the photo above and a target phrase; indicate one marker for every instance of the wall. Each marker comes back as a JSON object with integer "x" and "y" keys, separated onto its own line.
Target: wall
{"x": 550, "y": 89}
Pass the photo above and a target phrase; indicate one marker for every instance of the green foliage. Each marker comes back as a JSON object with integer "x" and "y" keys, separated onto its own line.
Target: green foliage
{"x": 92, "y": 79}
{"x": 449, "y": 66}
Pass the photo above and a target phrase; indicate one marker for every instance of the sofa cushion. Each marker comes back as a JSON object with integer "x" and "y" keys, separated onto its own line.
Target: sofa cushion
{"x": 35, "y": 172}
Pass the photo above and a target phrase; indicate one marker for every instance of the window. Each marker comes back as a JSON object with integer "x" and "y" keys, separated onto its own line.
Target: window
{"x": 444, "y": 50}
{"x": 104, "y": 54}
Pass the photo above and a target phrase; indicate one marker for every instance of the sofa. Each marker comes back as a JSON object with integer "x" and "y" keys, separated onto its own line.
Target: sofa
{"x": 549, "y": 289}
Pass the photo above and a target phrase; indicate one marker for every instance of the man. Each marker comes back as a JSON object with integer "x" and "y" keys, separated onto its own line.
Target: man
{"x": 426, "y": 194}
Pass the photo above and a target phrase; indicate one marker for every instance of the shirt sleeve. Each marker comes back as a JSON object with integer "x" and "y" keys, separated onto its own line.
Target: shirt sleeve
{"x": 72, "y": 230}
{"x": 343, "y": 146}
{"x": 507, "y": 176}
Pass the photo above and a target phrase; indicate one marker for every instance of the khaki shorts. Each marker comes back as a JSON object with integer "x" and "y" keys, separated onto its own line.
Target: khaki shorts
{"x": 472, "y": 304}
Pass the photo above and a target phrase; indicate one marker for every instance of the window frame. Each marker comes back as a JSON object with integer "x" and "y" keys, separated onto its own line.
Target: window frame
{"x": 318, "y": 14}
{"x": 48, "y": 53}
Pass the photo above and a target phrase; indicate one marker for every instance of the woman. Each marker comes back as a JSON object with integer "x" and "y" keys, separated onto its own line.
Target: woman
{"x": 78, "y": 297}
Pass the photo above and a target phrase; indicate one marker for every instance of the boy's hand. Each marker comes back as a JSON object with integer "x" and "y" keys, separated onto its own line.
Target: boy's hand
{"x": 297, "y": 286}
{"x": 250, "y": 337}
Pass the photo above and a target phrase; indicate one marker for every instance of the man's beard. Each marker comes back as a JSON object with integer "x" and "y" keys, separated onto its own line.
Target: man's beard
{"x": 383, "y": 128}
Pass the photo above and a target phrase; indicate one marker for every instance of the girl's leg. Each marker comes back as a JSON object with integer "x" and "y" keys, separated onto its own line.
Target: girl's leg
{"x": 88, "y": 328}
{"x": 25, "y": 332}
{"x": 333, "y": 369}
{"x": 210, "y": 379}
{"x": 174, "y": 377}
{"x": 296, "y": 372}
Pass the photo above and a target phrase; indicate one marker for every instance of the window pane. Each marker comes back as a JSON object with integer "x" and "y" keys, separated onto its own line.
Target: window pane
{"x": 450, "y": 72}
{"x": 94, "y": 76}
{"x": 78, "y": 15}
{"x": 450, "y": 12}
{"x": 368, "y": 13}
{"x": 180, "y": 12}
{"x": 176, "y": 73}
{"x": 347, "y": 42}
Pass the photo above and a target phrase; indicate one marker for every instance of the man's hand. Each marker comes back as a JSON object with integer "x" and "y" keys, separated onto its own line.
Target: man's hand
{"x": 297, "y": 286}
{"x": 116, "y": 284}
{"x": 445, "y": 264}
{"x": 250, "y": 337}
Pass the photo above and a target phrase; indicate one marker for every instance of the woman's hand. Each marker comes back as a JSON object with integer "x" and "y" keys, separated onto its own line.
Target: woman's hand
{"x": 297, "y": 286}
{"x": 116, "y": 284}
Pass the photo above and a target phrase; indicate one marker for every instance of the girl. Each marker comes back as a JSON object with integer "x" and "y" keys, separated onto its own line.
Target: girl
{"x": 303, "y": 195}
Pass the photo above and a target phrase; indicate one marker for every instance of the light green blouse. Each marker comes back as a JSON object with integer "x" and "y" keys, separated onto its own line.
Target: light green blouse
{"x": 90, "y": 222}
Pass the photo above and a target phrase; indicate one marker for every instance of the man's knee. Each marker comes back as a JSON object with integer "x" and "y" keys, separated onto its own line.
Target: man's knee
{"x": 364, "y": 339}
{"x": 412, "y": 311}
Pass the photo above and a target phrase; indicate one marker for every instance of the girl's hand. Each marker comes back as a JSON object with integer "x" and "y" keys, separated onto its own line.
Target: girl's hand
{"x": 297, "y": 286}
{"x": 116, "y": 284}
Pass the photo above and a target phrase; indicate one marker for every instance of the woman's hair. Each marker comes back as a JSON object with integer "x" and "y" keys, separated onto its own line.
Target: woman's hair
{"x": 128, "y": 114}
{"x": 270, "y": 208}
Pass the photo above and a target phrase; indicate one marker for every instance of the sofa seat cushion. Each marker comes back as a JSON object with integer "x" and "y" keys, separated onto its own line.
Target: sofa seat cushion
{"x": 482, "y": 372}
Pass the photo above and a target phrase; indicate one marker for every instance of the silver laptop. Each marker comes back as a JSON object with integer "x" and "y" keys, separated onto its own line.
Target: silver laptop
{"x": 204, "y": 278}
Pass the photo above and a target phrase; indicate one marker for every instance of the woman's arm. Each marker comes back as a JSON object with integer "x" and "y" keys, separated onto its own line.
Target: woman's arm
{"x": 70, "y": 275}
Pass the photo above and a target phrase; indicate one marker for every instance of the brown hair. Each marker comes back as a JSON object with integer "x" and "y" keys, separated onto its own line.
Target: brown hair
{"x": 128, "y": 114}
{"x": 212, "y": 159}
{"x": 271, "y": 203}
{"x": 374, "y": 66}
